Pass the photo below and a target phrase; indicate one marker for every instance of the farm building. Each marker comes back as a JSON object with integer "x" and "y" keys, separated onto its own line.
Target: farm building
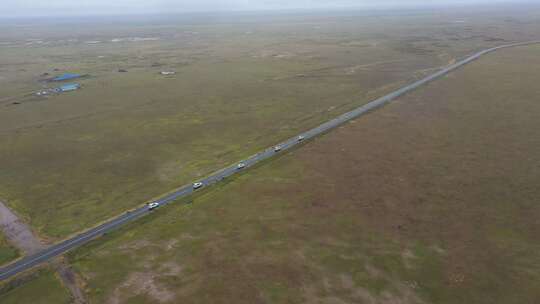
{"x": 69, "y": 87}
{"x": 67, "y": 76}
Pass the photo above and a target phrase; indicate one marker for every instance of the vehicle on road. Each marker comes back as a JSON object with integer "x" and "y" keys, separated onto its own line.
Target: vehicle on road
{"x": 241, "y": 166}
{"x": 153, "y": 206}
{"x": 301, "y": 137}
{"x": 277, "y": 148}
{"x": 197, "y": 185}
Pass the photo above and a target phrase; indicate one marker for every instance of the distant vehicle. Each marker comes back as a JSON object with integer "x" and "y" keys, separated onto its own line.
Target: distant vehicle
{"x": 197, "y": 185}
{"x": 241, "y": 166}
{"x": 153, "y": 206}
{"x": 301, "y": 137}
{"x": 277, "y": 148}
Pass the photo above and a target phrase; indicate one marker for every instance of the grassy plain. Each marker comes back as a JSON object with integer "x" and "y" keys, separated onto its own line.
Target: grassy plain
{"x": 432, "y": 199}
{"x": 7, "y": 252}
{"x": 42, "y": 288}
{"x": 242, "y": 83}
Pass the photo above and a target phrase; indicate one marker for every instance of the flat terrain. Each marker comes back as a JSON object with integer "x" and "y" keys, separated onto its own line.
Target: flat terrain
{"x": 432, "y": 199}
{"x": 43, "y": 288}
{"x": 7, "y": 251}
{"x": 241, "y": 83}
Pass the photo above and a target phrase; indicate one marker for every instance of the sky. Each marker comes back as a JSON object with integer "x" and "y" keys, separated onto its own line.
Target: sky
{"x": 14, "y": 8}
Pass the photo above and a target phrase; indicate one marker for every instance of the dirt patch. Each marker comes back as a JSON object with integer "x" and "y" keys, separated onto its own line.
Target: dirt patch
{"x": 17, "y": 232}
{"x": 360, "y": 295}
{"x": 274, "y": 54}
{"x": 70, "y": 280}
{"x": 141, "y": 283}
{"x": 408, "y": 258}
{"x": 146, "y": 283}
{"x": 137, "y": 244}
{"x": 353, "y": 69}
{"x": 171, "y": 244}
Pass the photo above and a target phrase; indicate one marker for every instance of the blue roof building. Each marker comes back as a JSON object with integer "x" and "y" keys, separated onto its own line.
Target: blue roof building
{"x": 69, "y": 87}
{"x": 67, "y": 76}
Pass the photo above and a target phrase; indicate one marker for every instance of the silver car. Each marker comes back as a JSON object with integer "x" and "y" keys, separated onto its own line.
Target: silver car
{"x": 197, "y": 185}
{"x": 153, "y": 206}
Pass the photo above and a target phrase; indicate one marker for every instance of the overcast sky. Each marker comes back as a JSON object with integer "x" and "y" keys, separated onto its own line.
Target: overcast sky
{"x": 91, "y": 7}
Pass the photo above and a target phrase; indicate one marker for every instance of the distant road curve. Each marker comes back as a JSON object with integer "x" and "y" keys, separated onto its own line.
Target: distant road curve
{"x": 82, "y": 238}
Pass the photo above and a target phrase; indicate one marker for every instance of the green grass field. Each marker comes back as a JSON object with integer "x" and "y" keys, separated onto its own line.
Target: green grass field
{"x": 7, "y": 252}
{"x": 71, "y": 161}
{"x": 43, "y": 288}
{"x": 431, "y": 199}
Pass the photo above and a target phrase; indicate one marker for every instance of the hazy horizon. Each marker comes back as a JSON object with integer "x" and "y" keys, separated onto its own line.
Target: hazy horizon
{"x": 44, "y": 8}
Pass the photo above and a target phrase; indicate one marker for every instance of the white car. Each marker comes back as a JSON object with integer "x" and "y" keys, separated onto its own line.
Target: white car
{"x": 197, "y": 185}
{"x": 241, "y": 166}
{"x": 277, "y": 148}
{"x": 153, "y": 206}
{"x": 301, "y": 137}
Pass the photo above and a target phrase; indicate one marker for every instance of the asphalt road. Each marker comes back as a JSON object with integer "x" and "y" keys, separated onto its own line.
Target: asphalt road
{"x": 62, "y": 247}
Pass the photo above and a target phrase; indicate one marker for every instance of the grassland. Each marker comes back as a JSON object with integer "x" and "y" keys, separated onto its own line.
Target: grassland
{"x": 432, "y": 199}
{"x": 7, "y": 252}
{"x": 242, "y": 83}
{"x": 42, "y": 288}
